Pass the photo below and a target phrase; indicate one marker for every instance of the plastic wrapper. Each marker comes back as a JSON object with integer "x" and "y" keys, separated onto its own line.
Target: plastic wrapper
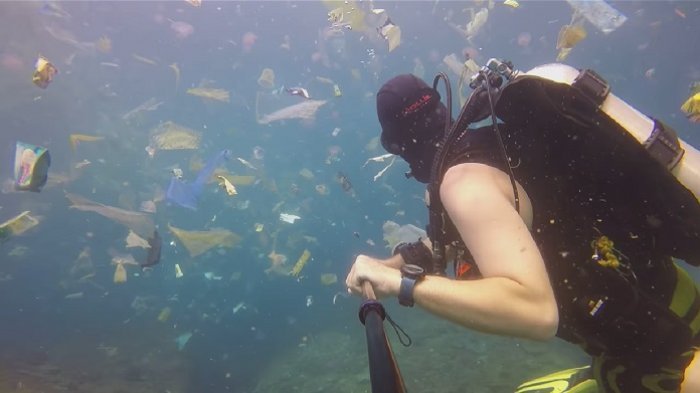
{"x": 267, "y": 79}
{"x": 133, "y": 240}
{"x": 289, "y": 218}
{"x": 75, "y": 139}
{"x": 182, "y": 340}
{"x": 329, "y": 279}
{"x": 199, "y": 242}
{"x": 301, "y": 262}
{"x": 187, "y": 194}
{"x": 172, "y": 136}
{"x": 599, "y": 13}
{"x": 227, "y": 186}
{"x": 31, "y": 167}
{"x": 138, "y": 222}
{"x": 569, "y": 36}
{"x": 164, "y": 314}
{"x": 691, "y": 108}
{"x": 17, "y": 225}
{"x": 210, "y": 93}
{"x": 271, "y": 108}
{"x": 120, "y": 261}
{"x": 150, "y": 105}
{"x": 44, "y": 72}
{"x": 395, "y": 234}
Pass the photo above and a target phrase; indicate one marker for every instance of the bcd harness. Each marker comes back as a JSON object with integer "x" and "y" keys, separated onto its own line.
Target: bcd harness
{"x": 616, "y": 318}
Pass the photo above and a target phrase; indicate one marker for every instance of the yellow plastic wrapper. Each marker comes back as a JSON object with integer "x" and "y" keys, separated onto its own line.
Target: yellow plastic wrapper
{"x": 120, "y": 274}
{"x": 329, "y": 279}
{"x": 511, "y": 3}
{"x": 141, "y": 223}
{"x": 120, "y": 271}
{"x": 691, "y": 108}
{"x": 44, "y": 72}
{"x": 199, "y": 242}
{"x": 173, "y": 136}
{"x": 569, "y": 36}
{"x": 210, "y": 93}
{"x": 346, "y": 12}
{"x": 75, "y": 139}
{"x": 17, "y": 225}
{"x": 164, "y": 314}
{"x": 301, "y": 262}
{"x": 267, "y": 79}
{"x": 227, "y": 186}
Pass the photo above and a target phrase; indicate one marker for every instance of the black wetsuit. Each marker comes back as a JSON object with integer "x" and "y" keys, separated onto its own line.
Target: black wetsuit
{"x": 584, "y": 184}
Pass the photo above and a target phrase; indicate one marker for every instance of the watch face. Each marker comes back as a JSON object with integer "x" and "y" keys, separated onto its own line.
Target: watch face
{"x": 412, "y": 270}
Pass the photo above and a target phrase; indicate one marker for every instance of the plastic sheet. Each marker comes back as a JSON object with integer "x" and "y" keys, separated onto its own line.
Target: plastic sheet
{"x": 210, "y": 93}
{"x": 395, "y": 234}
{"x": 75, "y": 139}
{"x": 187, "y": 194}
{"x": 599, "y": 13}
{"x": 267, "y": 79}
{"x": 17, "y": 225}
{"x": 31, "y": 167}
{"x": 138, "y": 222}
{"x": 172, "y": 136}
{"x": 199, "y": 242}
{"x": 271, "y": 108}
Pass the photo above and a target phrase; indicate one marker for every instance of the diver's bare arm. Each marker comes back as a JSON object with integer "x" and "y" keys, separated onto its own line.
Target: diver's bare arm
{"x": 515, "y": 297}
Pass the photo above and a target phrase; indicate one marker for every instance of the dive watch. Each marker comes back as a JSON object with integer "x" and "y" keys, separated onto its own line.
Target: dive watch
{"x": 410, "y": 275}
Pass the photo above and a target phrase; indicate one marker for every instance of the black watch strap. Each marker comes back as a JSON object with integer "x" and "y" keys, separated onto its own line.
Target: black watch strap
{"x": 408, "y": 284}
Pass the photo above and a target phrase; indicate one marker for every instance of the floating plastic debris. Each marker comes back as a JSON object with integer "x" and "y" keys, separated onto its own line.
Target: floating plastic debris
{"x": 195, "y": 3}
{"x": 139, "y": 222}
{"x": 17, "y": 225}
{"x": 182, "y": 29}
{"x": 211, "y": 276}
{"x": 155, "y": 244}
{"x": 227, "y": 186}
{"x": 569, "y": 36}
{"x": 395, "y": 234}
{"x": 164, "y": 314}
{"x": 306, "y": 174}
{"x": 199, "y": 242}
{"x": 143, "y": 59}
{"x": 267, "y": 79}
{"x": 31, "y": 167}
{"x": 176, "y": 70}
{"x": 182, "y": 340}
{"x": 301, "y": 262}
{"x": 511, "y": 3}
{"x": 120, "y": 271}
{"x": 75, "y": 139}
{"x": 329, "y": 279}
{"x": 173, "y": 136}
{"x": 210, "y": 93}
{"x": 134, "y": 240}
{"x": 601, "y": 14}
{"x": 290, "y": 218}
{"x": 691, "y": 108}
{"x": 238, "y": 307}
{"x": 150, "y": 105}
{"x": 178, "y": 271}
{"x": 246, "y": 164}
{"x": 305, "y": 110}
{"x": 74, "y": 295}
{"x": 44, "y": 72}
{"x": 187, "y": 194}
{"x": 309, "y": 301}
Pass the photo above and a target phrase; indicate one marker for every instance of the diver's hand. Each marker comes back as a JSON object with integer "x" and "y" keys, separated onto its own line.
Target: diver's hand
{"x": 385, "y": 280}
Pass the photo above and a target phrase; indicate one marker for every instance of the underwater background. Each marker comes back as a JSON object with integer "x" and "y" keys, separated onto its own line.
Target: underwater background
{"x": 235, "y": 319}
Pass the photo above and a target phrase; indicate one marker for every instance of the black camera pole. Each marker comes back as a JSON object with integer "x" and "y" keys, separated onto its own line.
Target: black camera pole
{"x": 384, "y": 373}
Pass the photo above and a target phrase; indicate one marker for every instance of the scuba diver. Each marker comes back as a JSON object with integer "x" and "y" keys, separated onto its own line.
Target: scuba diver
{"x": 566, "y": 216}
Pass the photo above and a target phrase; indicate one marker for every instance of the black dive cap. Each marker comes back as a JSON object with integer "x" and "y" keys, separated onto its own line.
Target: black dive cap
{"x": 413, "y": 121}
